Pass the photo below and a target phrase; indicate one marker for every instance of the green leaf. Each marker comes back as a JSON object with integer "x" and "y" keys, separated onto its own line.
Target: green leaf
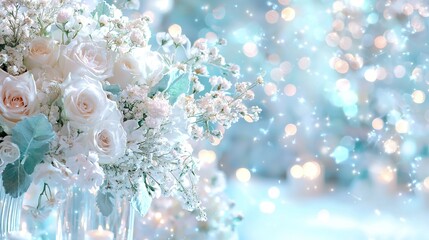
{"x": 32, "y": 135}
{"x": 105, "y": 203}
{"x": 102, "y": 9}
{"x": 179, "y": 84}
{"x": 113, "y": 89}
{"x": 142, "y": 201}
{"x": 15, "y": 180}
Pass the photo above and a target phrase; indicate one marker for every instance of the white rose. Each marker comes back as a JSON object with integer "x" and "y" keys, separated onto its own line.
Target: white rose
{"x": 87, "y": 173}
{"x": 86, "y": 58}
{"x": 125, "y": 71}
{"x": 42, "y": 52}
{"x": 109, "y": 140}
{"x": 18, "y": 97}
{"x": 64, "y": 15}
{"x": 151, "y": 66}
{"x": 85, "y": 102}
{"x": 9, "y": 151}
{"x": 53, "y": 173}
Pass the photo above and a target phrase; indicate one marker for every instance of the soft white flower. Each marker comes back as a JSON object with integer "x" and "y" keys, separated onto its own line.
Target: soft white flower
{"x": 109, "y": 140}
{"x": 103, "y": 20}
{"x": 137, "y": 37}
{"x": 85, "y": 102}
{"x": 125, "y": 71}
{"x": 164, "y": 40}
{"x": 220, "y": 82}
{"x": 151, "y": 66}
{"x": 52, "y": 173}
{"x": 87, "y": 173}
{"x": 64, "y": 15}
{"x": 17, "y": 97}
{"x": 42, "y": 52}
{"x": 45, "y": 77}
{"x": 86, "y": 58}
{"x": 9, "y": 151}
{"x": 158, "y": 109}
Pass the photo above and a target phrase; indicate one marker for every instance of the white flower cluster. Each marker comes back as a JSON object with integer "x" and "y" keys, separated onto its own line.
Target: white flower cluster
{"x": 167, "y": 220}
{"x": 122, "y": 113}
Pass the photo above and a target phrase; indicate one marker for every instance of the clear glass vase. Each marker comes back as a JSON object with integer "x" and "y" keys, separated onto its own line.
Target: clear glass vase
{"x": 74, "y": 215}
{"x": 10, "y": 212}
{"x": 80, "y": 219}
{"x": 119, "y": 224}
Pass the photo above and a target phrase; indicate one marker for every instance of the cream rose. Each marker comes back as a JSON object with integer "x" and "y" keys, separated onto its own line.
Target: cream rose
{"x": 142, "y": 66}
{"x": 42, "y": 52}
{"x": 125, "y": 71}
{"x": 53, "y": 173}
{"x": 85, "y": 102}
{"x": 151, "y": 67}
{"x": 109, "y": 140}
{"x": 86, "y": 58}
{"x": 18, "y": 97}
{"x": 9, "y": 151}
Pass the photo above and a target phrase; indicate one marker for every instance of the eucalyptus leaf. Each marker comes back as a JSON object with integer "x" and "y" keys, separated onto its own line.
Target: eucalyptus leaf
{"x": 32, "y": 135}
{"x": 113, "y": 89}
{"x": 180, "y": 85}
{"x": 102, "y": 8}
{"x": 15, "y": 180}
{"x": 105, "y": 203}
{"x": 142, "y": 201}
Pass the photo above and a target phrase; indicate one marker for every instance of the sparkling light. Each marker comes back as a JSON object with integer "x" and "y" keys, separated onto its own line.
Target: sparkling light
{"x": 311, "y": 170}
{"x": 274, "y": 192}
{"x": 207, "y": 156}
{"x": 290, "y": 129}
{"x": 297, "y": 171}
{"x": 418, "y": 96}
{"x": 402, "y": 126}
{"x": 426, "y": 183}
{"x": 304, "y": 63}
{"x": 270, "y": 89}
{"x": 250, "y": 49}
{"x": 272, "y": 16}
{"x": 370, "y": 75}
{"x": 380, "y": 42}
{"x": 377, "y": 123}
{"x": 399, "y": 71}
{"x": 340, "y": 154}
{"x": 267, "y": 207}
{"x": 290, "y": 90}
{"x": 342, "y": 85}
{"x": 243, "y": 175}
{"x": 323, "y": 215}
{"x": 175, "y": 30}
{"x": 386, "y": 175}
{"x": 288, "y": 14}
{"x": 390, "y": 146}
{"x": 341, "y": 66}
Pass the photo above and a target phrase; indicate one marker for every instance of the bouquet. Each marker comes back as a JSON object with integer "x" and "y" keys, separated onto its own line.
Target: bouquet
{"x": 167, "y": 220}
{"x": 88, "y": 101}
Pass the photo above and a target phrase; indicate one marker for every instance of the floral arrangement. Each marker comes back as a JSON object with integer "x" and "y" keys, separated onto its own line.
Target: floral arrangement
{"x": 87, "y": 101}
{"x": 167, "y": 220}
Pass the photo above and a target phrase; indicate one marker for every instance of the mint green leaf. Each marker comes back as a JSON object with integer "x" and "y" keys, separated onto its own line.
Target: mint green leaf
{"x": 15, "y": 180}
{"x": 142, "y": 201}
{"x": 102, "y": 9}
{"x": 113, "y": 89}
{"x": 33, "y": 135}
{"x": 104, "y": 203}
{"x": 179, "y": 84}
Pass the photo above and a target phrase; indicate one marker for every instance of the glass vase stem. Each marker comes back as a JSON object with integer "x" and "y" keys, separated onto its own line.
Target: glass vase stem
{"x": 10, "y": 213}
